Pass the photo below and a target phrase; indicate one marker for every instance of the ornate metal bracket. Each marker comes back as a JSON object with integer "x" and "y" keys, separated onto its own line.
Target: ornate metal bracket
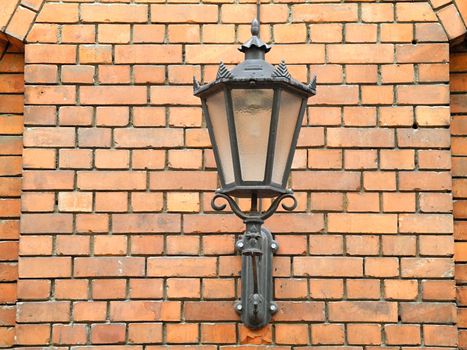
{"x": 257, "y": 248}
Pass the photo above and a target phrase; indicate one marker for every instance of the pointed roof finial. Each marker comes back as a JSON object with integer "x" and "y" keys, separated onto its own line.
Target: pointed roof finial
{"x": 255, "y": 27}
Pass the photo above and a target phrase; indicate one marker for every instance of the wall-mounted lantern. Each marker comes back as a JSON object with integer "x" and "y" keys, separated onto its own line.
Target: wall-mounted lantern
{"x": 254, "y": 114}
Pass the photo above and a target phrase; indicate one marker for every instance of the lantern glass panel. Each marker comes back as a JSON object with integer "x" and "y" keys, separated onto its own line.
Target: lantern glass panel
{"x": 220, "y": 128}
{"x": 252, "y": 114}
{"x": 286, "y": 125}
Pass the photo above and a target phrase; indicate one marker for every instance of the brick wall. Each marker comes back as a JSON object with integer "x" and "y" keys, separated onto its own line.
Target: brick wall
{"x": 119, "y": 245}
{"x": 459, "y": 173}
{"x": 11, "y": 128}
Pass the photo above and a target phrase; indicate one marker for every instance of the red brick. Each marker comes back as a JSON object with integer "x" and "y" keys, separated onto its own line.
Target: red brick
{"x": 143, "y": 138}
{"x": 78, "y": 74}
{"x": 182, "y": 333}
{"x": 106, "y": 180}
{"x": 364, "y": 334}
{"x": 145, "y": 310}
{"x": 108, "y": 288}
{"x": 48, "y": 53}
{"x": 146, "y": 288}
{"x": 145, "y": 333}
{"x": 400, "y": 289}
{"x": 399, "y": 245}
{"x": 69, "y": 334}
{"x": 424, "y": 181}
{"x": 402, "y": 334}
{"x": 71, "y": 289}
{"x": 148, "y": 54}
{"x": 328, "y": 266}
{"x": 422, "y": 53}
{"x": 108, "y": 333}
{"x": 440, "y": 335}
{"x": 49, "y": 311}
{"x": 218, "y": 333}
{"x": 292, "y": 334}
{"x": 146, "y": 223}
{"x": 32, "y": 334}
{"x": 427, "y": 267}
{"x": 182, "y": 267}
{"x": 89, "y": 311}
{"x": 108, "y": 267}
{"x": 181, "y": 288}
{"x": 33, "y": 289}
{"x": 426, "y": 223}
{"x": 362, "y": 223}
{"x": 428, "y": 312}
{"x": 116, "y": 95}
{"x": 363, "y": 311}
{"x": 327, "y": 334}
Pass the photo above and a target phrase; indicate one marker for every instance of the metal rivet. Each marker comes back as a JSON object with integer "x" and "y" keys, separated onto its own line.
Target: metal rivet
{"x": 239, "y": 307}
{"x": 240, "y": 244}
{"x": 274, "y": 246}
{"x": 272, "y": 307}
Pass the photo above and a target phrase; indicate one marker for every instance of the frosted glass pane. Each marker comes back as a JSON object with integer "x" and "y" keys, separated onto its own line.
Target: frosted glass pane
{"x": 252, "y": 115}
{"x": 288, "y": 116}
{"x": 218, "y": 117}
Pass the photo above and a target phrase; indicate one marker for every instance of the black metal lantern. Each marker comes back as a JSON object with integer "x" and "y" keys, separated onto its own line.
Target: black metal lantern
{"x": 254, "y": 114}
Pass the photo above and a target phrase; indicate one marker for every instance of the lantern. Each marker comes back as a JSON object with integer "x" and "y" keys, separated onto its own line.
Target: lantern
{"x": 254, "y": 114}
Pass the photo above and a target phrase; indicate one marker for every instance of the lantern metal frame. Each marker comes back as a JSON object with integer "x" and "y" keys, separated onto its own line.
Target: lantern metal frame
{"x": 257, "y": 245}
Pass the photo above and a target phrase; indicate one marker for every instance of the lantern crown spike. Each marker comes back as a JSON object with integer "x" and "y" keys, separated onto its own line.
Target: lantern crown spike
{"x": 196, "y": 84}
{"x": 223, "y": 72}
{"x": 281, "y": 71}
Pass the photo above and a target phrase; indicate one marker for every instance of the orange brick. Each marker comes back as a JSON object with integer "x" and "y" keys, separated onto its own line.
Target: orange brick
{"x": 114, "y": 13}
{"x": 185, "y": 14}
{"x": 184, "y": 33}
{"x": 147, "y": 245}
{"x": 362, "y": 73}
{"x": 327, "y": 334}
{"x": 145, "y": 332}
{"x": 218, "y": 333}
{"x": 114, "y": 33}
{"x": 58, "y": 13}
{"x": 108, "y": 289}
{"x": 292, "y": 334}
{"x": 396, "y": 32}
{"x": 78, "y": 34}
{"x": 108, "y": 333}
{"x": 110, "y": 245}
{"x": 324, "y": 13}
{"x": 180, "y": 288}
{"x": 114, "y": 74}
{"x": 400, "y": 289}
{"x": 147, "y": 33}
{"x": 418, "y": 12}
{"x": 182, "y": 333}
{"x": 364, "y": 334}
{"x": 363, "y": 289}
{"x": 360, "y": 33}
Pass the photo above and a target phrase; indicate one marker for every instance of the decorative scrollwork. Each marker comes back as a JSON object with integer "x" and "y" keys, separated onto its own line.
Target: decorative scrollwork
{"x": 233, "y": 205}
{"x": 261, "y": 216}
{"x": 275, "y": 203}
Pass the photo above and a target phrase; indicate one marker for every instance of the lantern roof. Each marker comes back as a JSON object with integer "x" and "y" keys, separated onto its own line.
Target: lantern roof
{"x": 255, "y": 70}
